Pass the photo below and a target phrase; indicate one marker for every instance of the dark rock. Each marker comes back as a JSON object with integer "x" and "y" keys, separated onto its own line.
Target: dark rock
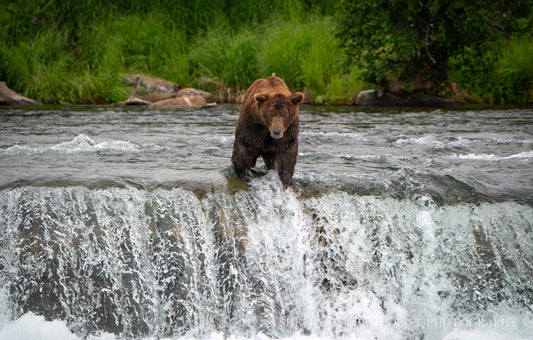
{"x": 380, "y": 98}
{"x": 377, "y": 98}
{"x": 435, "y": 101}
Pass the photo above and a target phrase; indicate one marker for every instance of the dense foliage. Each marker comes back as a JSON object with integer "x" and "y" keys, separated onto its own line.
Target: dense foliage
{"x": 407, "y": 40}
{"x": 80, "y": 51}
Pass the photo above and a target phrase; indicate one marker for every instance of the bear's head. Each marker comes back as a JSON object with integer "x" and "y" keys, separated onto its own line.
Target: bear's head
{"x": 279, "y": 111}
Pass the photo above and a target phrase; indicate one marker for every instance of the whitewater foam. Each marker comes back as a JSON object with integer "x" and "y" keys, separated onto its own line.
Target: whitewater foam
{"x": 33, "y": 327}
{"x": 491, "y": 157}
{"x": 339, "y": 137}
{"x": 261, "y": 262}
{"x": 81, "y": 144}
{"x": 434, "y": 142}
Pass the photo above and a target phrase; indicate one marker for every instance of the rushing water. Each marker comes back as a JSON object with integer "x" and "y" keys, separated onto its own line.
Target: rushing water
{"x": 401, "y": 225}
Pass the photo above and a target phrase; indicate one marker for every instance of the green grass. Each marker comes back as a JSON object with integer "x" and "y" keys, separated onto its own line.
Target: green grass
{"x": 515, "y": 68}
{"x": 282, "y": 47}
{"x": 50, "y": 70}
{"x": 304, "y": 54}
{"x": 223, "y": 57}
{"x": 136, "y": 44}
{"x": 41, "y": 68}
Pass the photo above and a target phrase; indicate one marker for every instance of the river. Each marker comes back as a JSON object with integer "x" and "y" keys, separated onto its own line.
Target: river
{"x": 402, "y": 224}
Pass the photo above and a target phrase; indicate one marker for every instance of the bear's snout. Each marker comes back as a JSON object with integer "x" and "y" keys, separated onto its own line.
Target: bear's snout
{"x": 276, "y": 129}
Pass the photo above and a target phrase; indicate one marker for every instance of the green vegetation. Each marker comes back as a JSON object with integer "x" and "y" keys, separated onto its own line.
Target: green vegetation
{"x": 501, "y": 77}
{"x": 422, "y": 45}
{"x": 72, "y": 51}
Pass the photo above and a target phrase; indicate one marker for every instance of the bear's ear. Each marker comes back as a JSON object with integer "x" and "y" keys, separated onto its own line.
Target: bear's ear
{"x": 260, "y": 98}
{"x": 296, "y": 97}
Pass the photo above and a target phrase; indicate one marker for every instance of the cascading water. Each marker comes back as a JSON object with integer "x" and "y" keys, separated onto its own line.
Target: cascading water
{"x": 128, "y": 223}
{"x": 166, "y": 263}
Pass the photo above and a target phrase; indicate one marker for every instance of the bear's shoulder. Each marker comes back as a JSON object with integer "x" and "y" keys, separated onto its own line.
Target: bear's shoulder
{"x": 271, "y": 86}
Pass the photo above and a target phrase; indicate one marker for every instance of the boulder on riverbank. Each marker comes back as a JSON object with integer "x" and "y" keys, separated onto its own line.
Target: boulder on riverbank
{"x": 10, "y": 97}
{"x": 380, "y": 98}
{"x": 153, "y": 89}
{"x": 162, "y": 94}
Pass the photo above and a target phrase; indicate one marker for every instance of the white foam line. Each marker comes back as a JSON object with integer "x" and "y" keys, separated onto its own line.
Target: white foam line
{"x": 492, "y": 157}
{"x": 80, "y": 143}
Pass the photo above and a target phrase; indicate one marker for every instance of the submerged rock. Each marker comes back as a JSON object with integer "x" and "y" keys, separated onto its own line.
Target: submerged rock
{"x": 10, "y": 97}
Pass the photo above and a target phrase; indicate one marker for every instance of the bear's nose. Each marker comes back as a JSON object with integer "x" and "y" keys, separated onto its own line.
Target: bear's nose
{"x": 276, "y": 133}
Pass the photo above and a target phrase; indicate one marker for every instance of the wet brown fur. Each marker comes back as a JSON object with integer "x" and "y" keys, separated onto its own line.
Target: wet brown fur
{"x": 267, "y": 127}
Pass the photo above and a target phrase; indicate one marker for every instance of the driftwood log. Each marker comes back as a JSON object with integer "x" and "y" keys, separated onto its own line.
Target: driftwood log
{"x": 133, "y": 100}
{"x": 10, "y": 97}
{"x": 173, "y": 99}
{"x": 194, "y": 101}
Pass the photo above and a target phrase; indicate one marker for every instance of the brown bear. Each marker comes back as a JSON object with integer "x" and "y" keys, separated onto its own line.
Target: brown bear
{"x": 267, "y": 127}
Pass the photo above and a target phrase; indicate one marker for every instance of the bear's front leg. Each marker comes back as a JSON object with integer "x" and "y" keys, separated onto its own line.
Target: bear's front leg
{"x": 286, "y": 162}
{"x": 243, "y": 159}
{"x": 270, "y": 160}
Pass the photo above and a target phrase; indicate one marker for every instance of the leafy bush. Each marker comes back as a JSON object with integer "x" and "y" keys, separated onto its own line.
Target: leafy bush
{"x": 403, "y": 39}
{"x": 492, "y": 77}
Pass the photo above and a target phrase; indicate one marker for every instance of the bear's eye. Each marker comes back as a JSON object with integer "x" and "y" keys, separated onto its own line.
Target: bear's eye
{"x": 271, "y": 115}
{"x": 284, "y": 115}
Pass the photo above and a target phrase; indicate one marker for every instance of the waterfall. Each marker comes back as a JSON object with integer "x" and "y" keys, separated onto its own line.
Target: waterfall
{"x": 268, "y": 260}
